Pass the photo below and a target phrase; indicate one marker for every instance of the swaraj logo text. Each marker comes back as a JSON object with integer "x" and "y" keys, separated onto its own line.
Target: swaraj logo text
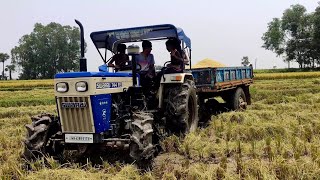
{"x": 74, "y": 104}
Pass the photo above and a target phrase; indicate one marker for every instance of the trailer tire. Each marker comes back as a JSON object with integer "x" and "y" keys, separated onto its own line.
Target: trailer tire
{"x": 182, "y": 108}
{"x": 37, "y": 143}
{"x": 141, "y": 146}
{"x": 238, "y": 100}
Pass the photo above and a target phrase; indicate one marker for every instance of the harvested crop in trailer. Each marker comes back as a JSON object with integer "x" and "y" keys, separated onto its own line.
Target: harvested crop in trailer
{"x": 208, "y": 63}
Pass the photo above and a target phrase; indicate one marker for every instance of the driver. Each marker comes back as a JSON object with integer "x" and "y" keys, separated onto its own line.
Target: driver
{"x": 146, "y": 60}
{"x": 121, "y": 58}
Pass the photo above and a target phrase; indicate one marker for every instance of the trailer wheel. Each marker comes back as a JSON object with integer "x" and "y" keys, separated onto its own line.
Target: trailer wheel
{"x": 141, "y": 147}
{"x": 182, "y": 108}
{"x": 238, "y": 100}
{"x": 39, "y": 132}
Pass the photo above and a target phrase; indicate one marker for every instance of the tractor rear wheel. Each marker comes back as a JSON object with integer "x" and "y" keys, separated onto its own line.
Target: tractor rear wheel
{"x": 182, "y": 108}
{"x": 39, "y": 132}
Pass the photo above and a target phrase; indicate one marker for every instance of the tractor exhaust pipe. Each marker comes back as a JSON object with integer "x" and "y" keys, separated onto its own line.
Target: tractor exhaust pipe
{"x": 83, "y": 60}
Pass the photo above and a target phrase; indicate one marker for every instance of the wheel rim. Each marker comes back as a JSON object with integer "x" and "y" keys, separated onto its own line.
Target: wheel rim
{"x": 242, "y": 103}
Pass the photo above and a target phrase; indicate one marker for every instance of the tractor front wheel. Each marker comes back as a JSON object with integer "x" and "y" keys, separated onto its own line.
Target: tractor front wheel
{"x": 39, "y": 132}
{"x": 141, "y": 147}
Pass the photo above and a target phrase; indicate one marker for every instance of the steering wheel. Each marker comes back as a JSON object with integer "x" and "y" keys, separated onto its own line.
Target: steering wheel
{"x": 164, "y": 69}
{"x": 164, "y": 65}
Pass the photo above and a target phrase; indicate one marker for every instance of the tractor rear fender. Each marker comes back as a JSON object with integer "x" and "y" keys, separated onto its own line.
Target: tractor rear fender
{"x": 175, "y": 78}
{"x": 170, "y": 79}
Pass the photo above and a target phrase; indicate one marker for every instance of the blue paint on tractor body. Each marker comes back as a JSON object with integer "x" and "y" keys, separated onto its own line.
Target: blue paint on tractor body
{"x": 101, "y": 107}
{"x": 91, "y": 74}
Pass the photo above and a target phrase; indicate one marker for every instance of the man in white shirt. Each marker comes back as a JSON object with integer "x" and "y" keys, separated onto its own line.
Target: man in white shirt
{"x": 147, "y": 72}
{"x": 146, "y": 60}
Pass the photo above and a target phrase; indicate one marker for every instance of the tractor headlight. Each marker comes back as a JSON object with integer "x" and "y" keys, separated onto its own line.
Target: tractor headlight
{"x": 81, "y": 86}
{"x": 62, "y": 87}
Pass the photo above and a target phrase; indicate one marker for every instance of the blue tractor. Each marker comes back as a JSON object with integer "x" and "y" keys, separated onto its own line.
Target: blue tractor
{"x": 110, "y": 109}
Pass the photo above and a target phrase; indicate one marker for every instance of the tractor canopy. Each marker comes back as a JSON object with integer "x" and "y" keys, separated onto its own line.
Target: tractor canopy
{"x": 110, "y": 38}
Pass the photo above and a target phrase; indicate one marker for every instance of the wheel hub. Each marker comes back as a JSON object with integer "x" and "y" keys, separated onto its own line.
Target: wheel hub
{"x": 242, "y": 103}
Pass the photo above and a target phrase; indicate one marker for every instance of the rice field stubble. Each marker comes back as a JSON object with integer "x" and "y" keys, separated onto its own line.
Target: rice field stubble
{"x": 278, "y": 137}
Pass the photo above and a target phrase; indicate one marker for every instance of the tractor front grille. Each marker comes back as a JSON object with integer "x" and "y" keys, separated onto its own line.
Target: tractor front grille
{"x": 76, "y": 114}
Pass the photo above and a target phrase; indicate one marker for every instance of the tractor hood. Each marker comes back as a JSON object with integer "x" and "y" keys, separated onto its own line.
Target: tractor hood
{"x": 91, "y": 74}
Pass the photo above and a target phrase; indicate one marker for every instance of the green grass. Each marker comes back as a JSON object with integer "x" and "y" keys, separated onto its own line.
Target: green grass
{"x": 286, "y": 70}
{"x": 290, "y": 75}
{"x": 28, "y": 84}
{"x": 27, "y": 98}
{"x": 278, "y": 137}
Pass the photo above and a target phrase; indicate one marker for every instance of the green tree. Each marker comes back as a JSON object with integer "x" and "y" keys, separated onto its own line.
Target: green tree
{"x": 3, "y": 57}
{"x": 316, "y": 34}
{"x": 296, "y": 26}
{"x": 291, "y": 36}
{"x": 47, "y": 50}
{"x": 245, "y": 61}
{"x": 274, "y": 37}
{"x": 11, "y": 68}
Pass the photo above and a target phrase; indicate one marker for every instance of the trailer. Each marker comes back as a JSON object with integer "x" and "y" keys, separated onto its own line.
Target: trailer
{"x": 229, "y": 83}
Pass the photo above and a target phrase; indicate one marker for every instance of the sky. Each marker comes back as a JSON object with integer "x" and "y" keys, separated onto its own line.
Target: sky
{"x": 224, "y": 31}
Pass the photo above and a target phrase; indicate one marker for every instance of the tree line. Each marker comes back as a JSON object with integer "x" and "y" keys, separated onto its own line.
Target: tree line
{"x": 3, "y": 58}
{"x": 54, "y": 48}
{"x": 47, "y": 50}
{"x": 295, "y": 36}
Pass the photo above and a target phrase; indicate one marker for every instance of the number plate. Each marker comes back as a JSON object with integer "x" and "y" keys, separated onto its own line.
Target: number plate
{"x": 106, "y": 85}
{"x": 79, "y": 138}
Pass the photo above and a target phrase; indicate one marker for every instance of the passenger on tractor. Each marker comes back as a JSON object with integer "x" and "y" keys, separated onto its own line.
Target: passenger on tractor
{"x": 178, "y": 59}
{"x": 120, "y": 58}
{"x": 176, "y": 56}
